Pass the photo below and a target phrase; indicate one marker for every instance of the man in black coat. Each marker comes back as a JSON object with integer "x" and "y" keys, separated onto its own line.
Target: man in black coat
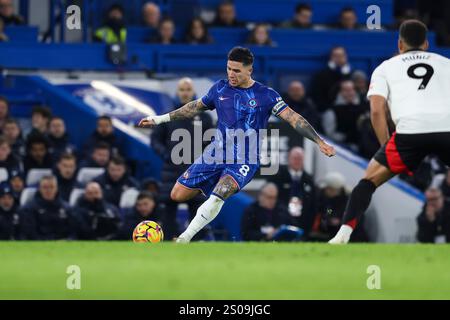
{"x": 65, "y": 172}
{"x": 98, "y": 157}
{"x": 104, "y": 132}
{"x": 58, "y": 139}
{"x": 434, "y": 220}
{"x": 144, "y": 209}
{"x": 37, "y": 156}
{"x": 97, "y": 219}
{"x": 297, "y": 190}
{"x": 262, "y": 219}
{"x": 47, "y": 216}
{"x": 324, "y": 84}
{"x": 163, "y": 145}
{"x": 116, "y": 180}
{"x": 9, "y": 216}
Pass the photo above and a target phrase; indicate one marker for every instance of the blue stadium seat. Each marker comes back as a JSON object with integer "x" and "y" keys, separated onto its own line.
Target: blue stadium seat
{"x": 22, "y": 34}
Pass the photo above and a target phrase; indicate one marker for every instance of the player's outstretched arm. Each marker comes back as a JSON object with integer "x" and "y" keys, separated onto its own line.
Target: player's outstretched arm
{"x": 305, "y": 129}
{"x": 189, "y": 110}
{"x": 379, "y": 119}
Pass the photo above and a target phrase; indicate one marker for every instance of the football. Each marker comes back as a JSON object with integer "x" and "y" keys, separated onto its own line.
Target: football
{"x": 148, "y": 231}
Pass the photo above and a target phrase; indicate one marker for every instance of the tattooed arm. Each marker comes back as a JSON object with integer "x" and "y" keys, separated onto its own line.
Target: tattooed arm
{"x": 189, "y": 110}
{"x": 305, "y": 129}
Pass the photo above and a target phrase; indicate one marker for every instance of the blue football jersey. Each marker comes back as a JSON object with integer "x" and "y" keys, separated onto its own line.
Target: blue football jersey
{"x": 241, "y": 111}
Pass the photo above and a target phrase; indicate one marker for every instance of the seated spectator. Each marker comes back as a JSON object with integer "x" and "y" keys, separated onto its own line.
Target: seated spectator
{"x": 114, "y": 29}
{"x": 4, "y": 110}
{"x": 40, "y": 118}
{"x": 104, "y": 132}
{"x": 259, "y": 36}
{"x": 58, "y": 138}
{"x": 332, "y": 201}
{"x": 197, "y": 32}
{"x": 361, "y": 83}
{"x": 66, "y": 174}
{"x": 144, "y": 209}
{"x": 297, "y": 100}
{"x": 296, "y": 190}
{"x": 151, "y": 15}
{"x": 97, "y": 219}
{"x": 9, "y": 216}
{"x": 340, "y": 122}
{"x": 262, "y": 219}
{"x": 116, "y": 180}
{"x": 445, "y": 186}
{"x": 37, "y": 156}
{"x": 3, "y": 36}
{"x": 325, "y": 83}
{"x": 13, "y": 134}
{"x": 16, "y": 180}
{"x": 8, "y": 160}
{"x": 151, "y": 185}
{"x": 166, "y": 32}
{"x": 434, "y": 220}
{"x": 226, "y": 16}
{"x": 47, "y": 216}
{"x": 302, "y": 18}
{"x": 348, "y": 20}
{"x": 99, "y": 157}
{"x": 7, "y": 14}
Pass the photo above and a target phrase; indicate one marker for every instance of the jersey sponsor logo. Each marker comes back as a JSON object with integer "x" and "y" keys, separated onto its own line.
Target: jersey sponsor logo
{"x": 252, "y": 103}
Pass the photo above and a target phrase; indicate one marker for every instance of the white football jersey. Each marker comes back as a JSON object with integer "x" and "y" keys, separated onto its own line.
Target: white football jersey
{"x": 416, "y": 85}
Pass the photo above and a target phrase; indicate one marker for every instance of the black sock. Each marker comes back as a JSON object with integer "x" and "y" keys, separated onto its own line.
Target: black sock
{"x": 359, "y": 202}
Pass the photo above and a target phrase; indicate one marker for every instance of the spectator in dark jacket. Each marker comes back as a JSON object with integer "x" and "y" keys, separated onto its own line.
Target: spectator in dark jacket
{"x": 434, "y": 220}
{"x": 197, "y": 32}
{"x": 263, "y": 218}
{"x": 66, "y": 174}
{"x": 99, "y": 156}
{"x": 47, "y": 216}
{"x": 116, "y": 180}
{"x": 163, "y": 145}
{"x": 226, "y": 16}
{"x": 103, "y": 133}
{"x": 348, "y": 20}
{"x": 59, "y": 139}
{"x": 37, "y": 154}
{"x": 296, "y": 190}
{"x": 97, "y": 219}
{"x": 297, "y": 100}
{"x": 7, "y": 14}
{"x": 325, "y": 83}
{"x": 40, "y": 118}
{"x": 17, "y": 183}
{"x": 332, "y": 201}
{"x": 9, "y": 216}
{"x": 8, "y": 160}
{"x": 144, "y": 209}
{"x": 302, "y": 18}
{"x": 13, "y": 134}
{"x": 4, "y": 112}
{"x": 340, "y": 121}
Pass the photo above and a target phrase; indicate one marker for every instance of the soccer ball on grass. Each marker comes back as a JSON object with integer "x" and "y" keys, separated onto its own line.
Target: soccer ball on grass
{"x": 148, "y": 231}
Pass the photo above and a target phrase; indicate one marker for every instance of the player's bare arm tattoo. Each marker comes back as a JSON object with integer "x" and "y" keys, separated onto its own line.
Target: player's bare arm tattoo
{"x": 226, "y": 187}
{"x": 189, "y": 110}
{"x": 300, "y": 125}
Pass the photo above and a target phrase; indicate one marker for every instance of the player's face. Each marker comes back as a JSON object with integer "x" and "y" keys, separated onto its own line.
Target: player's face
{"x": 238, "y": 74}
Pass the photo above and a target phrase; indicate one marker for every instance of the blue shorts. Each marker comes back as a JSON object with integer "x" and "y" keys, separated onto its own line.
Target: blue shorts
{"x": 204, "y": 177}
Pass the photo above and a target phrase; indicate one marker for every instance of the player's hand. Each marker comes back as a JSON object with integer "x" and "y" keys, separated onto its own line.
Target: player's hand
{"x": 147, "y": 122}
{"x": 327, "y": 149}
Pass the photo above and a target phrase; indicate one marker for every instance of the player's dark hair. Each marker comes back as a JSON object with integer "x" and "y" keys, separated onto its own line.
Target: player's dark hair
{"x": 302, "y": 6}
{"x": 413, "y": 32}
{"x": 241, "y": 54}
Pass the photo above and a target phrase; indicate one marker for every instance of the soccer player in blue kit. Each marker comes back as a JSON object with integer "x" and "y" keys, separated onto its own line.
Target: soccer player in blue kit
{"x": 242, "y": 104}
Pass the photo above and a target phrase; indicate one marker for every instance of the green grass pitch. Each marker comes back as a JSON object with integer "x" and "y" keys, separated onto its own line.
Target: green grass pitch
{"x": 119, "y": 270}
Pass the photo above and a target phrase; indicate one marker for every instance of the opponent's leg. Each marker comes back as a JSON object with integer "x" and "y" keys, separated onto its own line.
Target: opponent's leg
{"x": 376, "y": 175}
{"x": 210, "y": 208}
